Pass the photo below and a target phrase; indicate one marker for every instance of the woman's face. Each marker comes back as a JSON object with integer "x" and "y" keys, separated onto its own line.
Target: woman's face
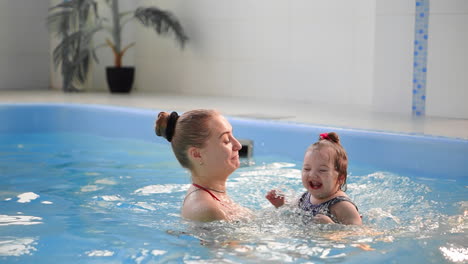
{"x": 221, "y": 152}
{"x": 319, "y": 175}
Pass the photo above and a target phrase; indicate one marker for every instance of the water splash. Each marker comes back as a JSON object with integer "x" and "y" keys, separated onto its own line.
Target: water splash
{"x": 394, "y": 208}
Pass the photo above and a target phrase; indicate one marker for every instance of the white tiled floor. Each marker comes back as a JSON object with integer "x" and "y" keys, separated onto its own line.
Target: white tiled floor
{"x": 348, "y": 117}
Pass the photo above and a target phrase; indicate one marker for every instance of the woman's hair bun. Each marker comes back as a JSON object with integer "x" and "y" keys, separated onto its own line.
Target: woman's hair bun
{"x": 165, "y": 125}
{"x": 161, "y": 124}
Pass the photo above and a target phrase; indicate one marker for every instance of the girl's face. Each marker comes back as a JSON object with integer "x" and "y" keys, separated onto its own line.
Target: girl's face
{"x": 319, "y": 175}
{"x": 221, "y": 153}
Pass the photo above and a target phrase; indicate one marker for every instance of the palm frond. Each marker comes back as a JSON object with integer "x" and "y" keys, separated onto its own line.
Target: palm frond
{"x": 82, "y": 69}
{"x": 62, "y": 5}
{"x": 163, "y": 22}
{"x": 58, "y": 22}
{"x": 80, "y": 39}
{"x": 75, "y": 22}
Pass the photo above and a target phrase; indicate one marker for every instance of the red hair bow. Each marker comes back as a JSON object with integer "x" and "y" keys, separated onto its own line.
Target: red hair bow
{"x": 324, "y": 136}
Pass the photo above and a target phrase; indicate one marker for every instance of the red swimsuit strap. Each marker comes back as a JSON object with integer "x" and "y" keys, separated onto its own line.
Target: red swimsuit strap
{"x": 206, "y": 190}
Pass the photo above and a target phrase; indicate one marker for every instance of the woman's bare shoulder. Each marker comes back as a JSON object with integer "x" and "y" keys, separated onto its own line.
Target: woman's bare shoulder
{"x": 200, "y": 206}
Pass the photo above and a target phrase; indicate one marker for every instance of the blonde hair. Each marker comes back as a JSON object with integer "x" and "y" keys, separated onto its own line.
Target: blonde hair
{"x": 191, "y": 129}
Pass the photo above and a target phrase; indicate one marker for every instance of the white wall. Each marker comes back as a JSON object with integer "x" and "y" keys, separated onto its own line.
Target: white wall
{"x": 347, "y": 52}
{"x": 317, "y": 51}
{"x": 24, "y": 45}
{"x": 447, "y": 63}
{"x": 393, "y": 68}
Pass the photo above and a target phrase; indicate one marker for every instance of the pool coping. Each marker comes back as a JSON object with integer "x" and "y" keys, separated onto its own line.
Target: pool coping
{"x": 320, "y": 114}
{"x": 244, "y": 118}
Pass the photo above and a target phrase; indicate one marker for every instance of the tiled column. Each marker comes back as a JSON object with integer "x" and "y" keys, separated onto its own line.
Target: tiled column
{"x": 420, "y": 56}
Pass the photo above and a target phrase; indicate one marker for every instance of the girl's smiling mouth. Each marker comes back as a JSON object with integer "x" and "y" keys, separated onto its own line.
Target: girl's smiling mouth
{"x": 315, "y": 185}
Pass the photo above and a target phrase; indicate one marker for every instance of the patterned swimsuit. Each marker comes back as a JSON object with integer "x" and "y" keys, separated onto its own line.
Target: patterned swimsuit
{"x": 311, "y": 210}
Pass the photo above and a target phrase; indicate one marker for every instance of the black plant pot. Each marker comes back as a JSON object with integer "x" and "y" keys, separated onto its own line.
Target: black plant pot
{"x": 120, "y": 80}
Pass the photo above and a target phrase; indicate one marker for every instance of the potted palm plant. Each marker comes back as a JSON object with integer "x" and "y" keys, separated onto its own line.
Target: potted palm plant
{"x": 77, "y": 21}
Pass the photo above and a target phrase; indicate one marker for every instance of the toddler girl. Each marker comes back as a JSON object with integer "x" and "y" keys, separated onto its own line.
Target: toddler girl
{"x": 324, "y": 176}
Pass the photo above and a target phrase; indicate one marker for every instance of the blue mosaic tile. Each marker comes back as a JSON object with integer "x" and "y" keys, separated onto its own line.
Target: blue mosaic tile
{"x": 420, "y": 57}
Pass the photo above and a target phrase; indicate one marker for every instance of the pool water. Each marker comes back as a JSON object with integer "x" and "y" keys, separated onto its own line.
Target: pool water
{"x": 81, "y": 198}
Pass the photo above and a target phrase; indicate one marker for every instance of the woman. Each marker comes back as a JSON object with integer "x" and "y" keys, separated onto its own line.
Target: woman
{"x": 203, "y": 142}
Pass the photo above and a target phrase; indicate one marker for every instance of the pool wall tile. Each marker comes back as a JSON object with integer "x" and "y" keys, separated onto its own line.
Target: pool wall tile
{"x": 421, "y": 36}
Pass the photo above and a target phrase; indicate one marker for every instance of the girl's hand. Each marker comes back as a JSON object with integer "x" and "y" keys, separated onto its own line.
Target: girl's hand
{"x": 276, "y": 198}
{"x": 322, "y": 219}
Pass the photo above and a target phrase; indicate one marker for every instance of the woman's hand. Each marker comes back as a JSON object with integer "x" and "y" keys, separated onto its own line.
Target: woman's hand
{"x": 276, "y": 198}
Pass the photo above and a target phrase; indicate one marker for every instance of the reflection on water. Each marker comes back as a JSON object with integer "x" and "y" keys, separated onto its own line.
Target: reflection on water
{"x": 8, "y": 220}
{"x": 100, "y": 253}
{"x": 14, "y": 246}
{"x": 162, "y": 188}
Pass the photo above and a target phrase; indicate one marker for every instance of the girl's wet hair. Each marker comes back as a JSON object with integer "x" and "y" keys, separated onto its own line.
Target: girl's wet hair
{"x": 191, "y": 129}
{"x": 340, "y": 158}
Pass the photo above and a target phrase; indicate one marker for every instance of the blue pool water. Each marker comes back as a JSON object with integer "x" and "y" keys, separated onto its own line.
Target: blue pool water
{"x": 92, "y": 184}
